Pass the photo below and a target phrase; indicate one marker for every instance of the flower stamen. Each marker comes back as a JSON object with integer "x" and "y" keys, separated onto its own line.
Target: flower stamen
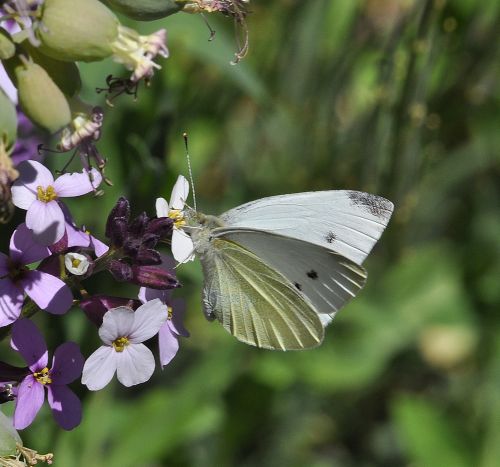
{"x": 46, "y": 195}
{"x": 120, "y": 344}
{"x": 43, "y": 376}
{"x": 178, "y": 217}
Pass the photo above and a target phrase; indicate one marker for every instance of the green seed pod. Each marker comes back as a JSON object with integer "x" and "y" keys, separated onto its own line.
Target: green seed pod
{"x": 40, "y": 98}
{"x": 146, "y": 10}
{"x": 7, "y": 47}
{"x": 65, "y": 74}
{"x": 8, "y": 121}
{"x": 77, "y": 30}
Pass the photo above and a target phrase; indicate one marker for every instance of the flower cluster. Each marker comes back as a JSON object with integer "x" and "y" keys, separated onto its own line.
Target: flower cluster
{"x": 49, "y": 259}
{"x": 51, "y": 256}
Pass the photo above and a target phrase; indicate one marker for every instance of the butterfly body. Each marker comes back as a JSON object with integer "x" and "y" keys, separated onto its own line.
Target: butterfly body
{"x": 277, "y": 270}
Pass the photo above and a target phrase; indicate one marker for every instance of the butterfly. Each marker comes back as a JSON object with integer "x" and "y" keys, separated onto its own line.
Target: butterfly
{"x": 278, "y": 269}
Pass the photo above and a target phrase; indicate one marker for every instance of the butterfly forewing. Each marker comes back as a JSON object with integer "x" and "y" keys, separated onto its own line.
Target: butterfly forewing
{"x": 255, "y": 303}
{"x": 347, "y": 222}
{"x": 326, "y": 278}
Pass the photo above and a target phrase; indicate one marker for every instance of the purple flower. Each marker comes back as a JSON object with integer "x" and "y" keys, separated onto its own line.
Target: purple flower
{"x": 168, "y": 336}
{"x": 36, "y": 191}
{"x": 67, "y": 366}
{"x": 48, "y": 292}
{"x": 96, "y": 306}
{"x": 122, "y": 333}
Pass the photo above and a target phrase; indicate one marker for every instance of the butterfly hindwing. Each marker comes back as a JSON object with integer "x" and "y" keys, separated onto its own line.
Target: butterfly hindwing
{"x": 347, "y": 222}
{"x": 327, "y": 279}
{"x": 255, "y": 303}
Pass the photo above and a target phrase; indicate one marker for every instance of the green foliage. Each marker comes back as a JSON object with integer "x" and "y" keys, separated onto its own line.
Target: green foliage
{"x": 397, "y": 98}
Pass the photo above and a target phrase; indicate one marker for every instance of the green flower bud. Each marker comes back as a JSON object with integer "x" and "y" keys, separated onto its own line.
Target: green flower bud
{"x": 40, "y": 98}
{"x": 7, "y": 47}
{"x": 64, "y": 74}
{"x": 146, "y": 10}
{"x": 8, "y": 437}
{"x": 77, "y": 30}
{"x": 8, "y": 121}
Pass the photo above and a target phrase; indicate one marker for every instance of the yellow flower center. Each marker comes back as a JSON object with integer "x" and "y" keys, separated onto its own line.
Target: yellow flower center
{"x": 178, "y": 217}
{"x": 120, "y": 344}
{"x": 47, "y": 195}
{"x": 170, "y": 312}
{"x": 43, "y": 376}
{"x": 75, "y": 262}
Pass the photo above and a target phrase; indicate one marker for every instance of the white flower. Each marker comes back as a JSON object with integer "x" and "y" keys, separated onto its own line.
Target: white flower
{"x": 182, "y": 245}
{"x": 122, "y": 333}
{"x": 76, "y": 263}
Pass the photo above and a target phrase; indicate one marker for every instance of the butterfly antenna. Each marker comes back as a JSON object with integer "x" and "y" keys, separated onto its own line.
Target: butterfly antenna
{"x": 185, "y": 136}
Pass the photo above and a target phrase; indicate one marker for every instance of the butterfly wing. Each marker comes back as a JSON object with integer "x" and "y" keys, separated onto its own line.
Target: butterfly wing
{"x": 327, "y": 279}
{"x": 347, "y": 222}
{"x": 255, "y": 303}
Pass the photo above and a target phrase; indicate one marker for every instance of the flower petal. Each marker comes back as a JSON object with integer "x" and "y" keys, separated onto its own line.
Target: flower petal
{"x": 161, "y": 207}
{"x": 65, "y": 405}
{"x": 30, "y": 397}
{"x": 77, "y": 184}
{"x": 28, "y": 341}
{"x": 11, "y": 302}
{"x": 67, "y": 363}
{"x": 177, "y": 322}
{"x": 148, "y": 319}
{"x": 76, "y": 237}
{"x": 117, "y": 322}
{"x": 48, "y": 292}
{"x": 100, "y": 248}
{"x": 179, "y": 194}
{"x": 99, "y": 368}
{"x": 168, "y": 344}
{"x": 24, "y": 249}
{"x": 46, "y": 220}
{"x": 146, "y": 294}
{"x": 182, "y": 246}
{"x": 32, "y": 174}
{"x": 135, "y": 365}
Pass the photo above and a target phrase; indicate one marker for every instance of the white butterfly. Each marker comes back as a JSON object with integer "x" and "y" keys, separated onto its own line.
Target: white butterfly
{"x": 278, "y": 269}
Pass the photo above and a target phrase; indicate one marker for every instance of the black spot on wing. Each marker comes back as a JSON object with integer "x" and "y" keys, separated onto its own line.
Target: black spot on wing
{"x": 297, "y": 285}
{"x": 312, "y": 274}
{"x": 330, "y": 237}
{"x": 375, "y": 205}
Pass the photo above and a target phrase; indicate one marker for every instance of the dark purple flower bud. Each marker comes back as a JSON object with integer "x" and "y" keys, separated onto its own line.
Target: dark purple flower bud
{"x": 147, "y": 256}
{"x": 154, "y": 277}
{"x": 118, "y": 231}
{"x": 95, "y": 307}
{"x": 120, "y": 210}
{"x": 131, "y": 246}
{"x": 150, "y": 240}
{"x": 10, "y": 373}
{"x": 161, "y": 226}
{"x": 139, "y": 224}
{"x": 120, "y": 270}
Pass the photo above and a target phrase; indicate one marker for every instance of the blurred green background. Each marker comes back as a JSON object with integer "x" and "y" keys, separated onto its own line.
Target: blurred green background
{"x": 398, "y": 98}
